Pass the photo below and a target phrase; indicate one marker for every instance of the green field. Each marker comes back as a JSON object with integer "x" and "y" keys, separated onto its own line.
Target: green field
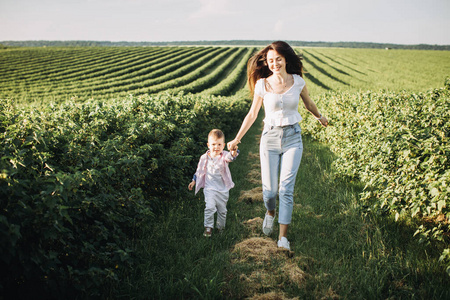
{"x": 103, "y": 73}
{"x": 57, "y": 74}
{"x": 363, "y": 69}
{"x": 99, "y": 143}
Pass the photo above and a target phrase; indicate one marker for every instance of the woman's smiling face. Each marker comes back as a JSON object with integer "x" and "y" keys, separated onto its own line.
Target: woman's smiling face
{"x": 276, "y": 62}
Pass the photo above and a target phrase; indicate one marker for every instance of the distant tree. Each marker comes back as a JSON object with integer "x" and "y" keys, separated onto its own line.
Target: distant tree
{"x": 220, "y": 42}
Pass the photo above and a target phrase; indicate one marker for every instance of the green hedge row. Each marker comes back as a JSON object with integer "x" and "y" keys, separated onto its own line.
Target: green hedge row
{"x": 78, "y": 180}
{"x": 398, "y": 145}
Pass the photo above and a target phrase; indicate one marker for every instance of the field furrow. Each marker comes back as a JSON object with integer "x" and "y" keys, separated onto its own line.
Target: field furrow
{"x": 158, "y": 76}
{"x": 88, "y": 79}
{"x": 211, "y": 74}
{"x": 235, "y": 79}
{"x": 320, "y": 66}
{"x": 56, "y": 67}
{"x": 31, "y": 60}
{"x": 93, "y": 70}
{"x": 142, "y": 71}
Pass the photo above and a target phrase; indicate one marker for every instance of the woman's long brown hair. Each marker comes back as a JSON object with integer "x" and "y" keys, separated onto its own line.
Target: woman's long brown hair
{"x": 257, "y": 65}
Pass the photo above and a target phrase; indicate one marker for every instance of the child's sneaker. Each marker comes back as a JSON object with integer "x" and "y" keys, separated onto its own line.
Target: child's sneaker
{"x": 268, "y": 224}
{"x": 208, "y": 232}
{"x": 284, "y": 243}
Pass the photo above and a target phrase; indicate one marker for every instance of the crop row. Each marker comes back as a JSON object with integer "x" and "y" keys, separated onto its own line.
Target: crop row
{"x": 101, "y": 72}
{"x": 78, "y": 180}
{"x": 23, "y": 59}
{"x": 398, "y": 145}
{"x": 34, "y": 73}
{"x": 211, "y": 79}
{"x": 144, "y": 66}
{"x": 156, "y": 71}
{"x": 374, "y": 69}
{"x": 148, "y": 74}
{"x": 233, "y": 79}
{"x": 81, "y": 72}
{"x": 192, "y": 72}
{"x": 113, "y": 75}
{"x": 55, "y": 64}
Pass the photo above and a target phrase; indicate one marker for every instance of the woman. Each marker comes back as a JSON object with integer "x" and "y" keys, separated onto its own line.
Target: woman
{"x": 275, "y": 80}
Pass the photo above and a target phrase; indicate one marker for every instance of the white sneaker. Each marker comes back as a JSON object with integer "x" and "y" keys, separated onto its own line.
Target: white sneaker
{"x": 268, "y": 224}
{"x": 284, "y": 243}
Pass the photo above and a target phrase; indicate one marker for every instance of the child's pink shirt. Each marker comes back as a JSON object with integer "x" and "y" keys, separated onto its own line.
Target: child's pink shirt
{"x": 200, "y": 174}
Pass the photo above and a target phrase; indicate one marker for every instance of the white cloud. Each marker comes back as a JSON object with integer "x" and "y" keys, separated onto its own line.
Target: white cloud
{"x": 278, "y": 28}
{"x": 213, "y": 8}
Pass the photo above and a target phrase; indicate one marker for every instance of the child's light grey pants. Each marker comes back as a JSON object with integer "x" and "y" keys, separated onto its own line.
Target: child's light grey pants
{"x": 215, "y": 201}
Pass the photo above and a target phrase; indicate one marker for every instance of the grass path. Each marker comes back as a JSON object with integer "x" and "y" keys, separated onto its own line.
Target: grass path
{"x": 338, "y": 251}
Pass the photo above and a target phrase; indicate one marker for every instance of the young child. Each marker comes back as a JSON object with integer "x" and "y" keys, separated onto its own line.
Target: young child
{"x": 213, "y": 175}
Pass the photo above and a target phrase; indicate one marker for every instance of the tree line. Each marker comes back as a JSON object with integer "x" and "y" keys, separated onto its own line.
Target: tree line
{"x": 43, "y": 43}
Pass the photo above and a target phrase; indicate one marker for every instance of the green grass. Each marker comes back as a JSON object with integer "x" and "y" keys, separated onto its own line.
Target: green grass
{"x": 176, "y": 260}
{"x": 354, "y": 254}
{"x": 345, "y": 252}
{"x": 374, "y": 69}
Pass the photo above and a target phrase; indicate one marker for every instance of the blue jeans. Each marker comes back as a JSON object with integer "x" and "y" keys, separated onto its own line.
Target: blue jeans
{"x": 280, "y": 152}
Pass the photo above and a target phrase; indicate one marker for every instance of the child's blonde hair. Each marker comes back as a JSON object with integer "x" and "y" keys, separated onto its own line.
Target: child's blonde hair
{"x": 217, "y": 134}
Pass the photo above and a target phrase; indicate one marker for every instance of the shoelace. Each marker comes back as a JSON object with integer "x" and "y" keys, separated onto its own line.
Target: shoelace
{"x": 269, "y": 222}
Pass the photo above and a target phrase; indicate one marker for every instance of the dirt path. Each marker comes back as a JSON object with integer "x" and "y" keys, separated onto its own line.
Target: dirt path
{"x": 265, "y": 269}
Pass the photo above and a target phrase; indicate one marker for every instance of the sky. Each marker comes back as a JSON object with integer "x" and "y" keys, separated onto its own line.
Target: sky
{"x": 378, "y": 21}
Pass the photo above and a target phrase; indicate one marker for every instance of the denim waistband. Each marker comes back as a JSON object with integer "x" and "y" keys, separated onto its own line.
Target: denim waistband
{"x": 280, "y": 127}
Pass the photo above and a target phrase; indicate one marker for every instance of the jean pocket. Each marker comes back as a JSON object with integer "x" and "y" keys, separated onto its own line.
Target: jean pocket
{"x": 266, "y": 129}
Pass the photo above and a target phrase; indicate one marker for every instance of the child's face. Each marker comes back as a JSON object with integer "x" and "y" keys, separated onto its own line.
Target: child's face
{"x": 215, "y": 146}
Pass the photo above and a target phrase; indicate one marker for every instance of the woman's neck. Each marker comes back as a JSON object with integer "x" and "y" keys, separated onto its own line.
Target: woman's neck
{"x": 281, "y": 78}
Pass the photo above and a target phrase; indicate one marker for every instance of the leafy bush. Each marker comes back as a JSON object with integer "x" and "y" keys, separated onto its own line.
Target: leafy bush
{"x": 398, "y": 145}
{"x": 78, "y": 180}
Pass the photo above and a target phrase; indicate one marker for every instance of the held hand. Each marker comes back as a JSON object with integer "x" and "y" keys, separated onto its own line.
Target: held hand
{"x": 191, "y": 185}
{"x": 232, "y": 146}
{"x": 234, "y": 151}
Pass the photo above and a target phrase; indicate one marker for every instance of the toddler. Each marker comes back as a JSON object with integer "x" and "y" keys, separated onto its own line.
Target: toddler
{"x": 213, "y": 175}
